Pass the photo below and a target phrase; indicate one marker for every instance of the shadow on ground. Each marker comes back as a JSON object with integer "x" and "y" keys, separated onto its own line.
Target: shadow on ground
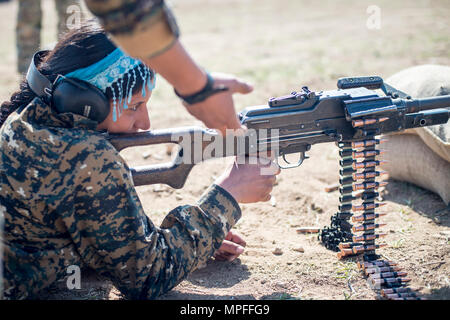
{"x": 424, "y": 202}
{"x": 212, "y": 275}
{"x": 438, "y": 294}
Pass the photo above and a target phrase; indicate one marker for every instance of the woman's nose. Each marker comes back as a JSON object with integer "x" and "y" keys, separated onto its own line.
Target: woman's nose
{"x": 142, "y": 119}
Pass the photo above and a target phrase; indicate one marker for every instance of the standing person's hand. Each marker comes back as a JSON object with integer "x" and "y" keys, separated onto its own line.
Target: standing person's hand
{"x": 218, "y": 111}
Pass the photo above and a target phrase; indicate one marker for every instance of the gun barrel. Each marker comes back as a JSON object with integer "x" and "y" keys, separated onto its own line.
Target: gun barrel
{"x": 421, "y": 104}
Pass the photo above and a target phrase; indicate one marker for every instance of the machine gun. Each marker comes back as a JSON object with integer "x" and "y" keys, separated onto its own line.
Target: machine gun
{"x": 351, "y": 116}
{"x": 291, "y": 124}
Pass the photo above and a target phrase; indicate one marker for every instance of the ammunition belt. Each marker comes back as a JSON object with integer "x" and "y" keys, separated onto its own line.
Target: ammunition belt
{"x": 357, "y": 183}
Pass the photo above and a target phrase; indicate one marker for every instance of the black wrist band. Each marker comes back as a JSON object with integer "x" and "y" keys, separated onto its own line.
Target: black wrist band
{"x": 204, "y": 93}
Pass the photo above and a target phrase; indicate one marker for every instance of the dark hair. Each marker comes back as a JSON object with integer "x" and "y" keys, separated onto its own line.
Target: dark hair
{"x": 77, "y": 49}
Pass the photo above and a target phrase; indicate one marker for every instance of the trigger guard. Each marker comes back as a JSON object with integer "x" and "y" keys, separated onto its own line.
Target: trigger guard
{"x": 298, "y": 164}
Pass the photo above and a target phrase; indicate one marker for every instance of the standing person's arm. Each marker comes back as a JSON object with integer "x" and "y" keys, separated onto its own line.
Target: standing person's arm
{"x": 147, "y": 30}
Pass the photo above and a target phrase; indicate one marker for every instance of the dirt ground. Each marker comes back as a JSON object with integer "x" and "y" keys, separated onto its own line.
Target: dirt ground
{"x": 280, "y": 46}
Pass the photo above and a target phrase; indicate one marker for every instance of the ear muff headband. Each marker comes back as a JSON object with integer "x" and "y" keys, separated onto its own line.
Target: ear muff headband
{"x": 37, "y": 82}
{"x": 68, "y": 94}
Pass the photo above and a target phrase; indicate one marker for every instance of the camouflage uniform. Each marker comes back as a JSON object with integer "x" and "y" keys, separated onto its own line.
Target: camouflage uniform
{"x": 29, "y": 24}
{"x": 68, "y": 199}
{"x": 142, "y": 28}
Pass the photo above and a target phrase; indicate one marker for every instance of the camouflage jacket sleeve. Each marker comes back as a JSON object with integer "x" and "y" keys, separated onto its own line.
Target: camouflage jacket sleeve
{"x": 115, "y": 237}
{"x": 142, "y": 28}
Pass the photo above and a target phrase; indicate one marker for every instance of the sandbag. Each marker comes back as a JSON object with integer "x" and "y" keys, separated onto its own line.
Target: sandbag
{"x": 421, "y": 156}
{"x": 410, "y": 159}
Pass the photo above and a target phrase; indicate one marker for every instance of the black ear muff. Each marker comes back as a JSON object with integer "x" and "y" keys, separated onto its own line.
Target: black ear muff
{"x": 80, "y": 97}
{"x": 68, "y": 94}
{"x": 37, "y": 82}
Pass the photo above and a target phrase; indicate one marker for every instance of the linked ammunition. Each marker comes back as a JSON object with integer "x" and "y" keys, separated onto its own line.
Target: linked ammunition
{"x": 367, "y": 175}
{"x": 346, "y": 190}
{"x": 343, "y": 224}
{"x": 367, "y": 195}
{"x": 368, "y": 216}
{"x": 377, "y": 263}
{"x": 368, "y": 237}
{"x": 346, "y": 162}
{"x": 343, "y": 215}
{"x": 366, "y": 154}
{"x": 344, "y": 145}
{"x": 374, "y": 264}
{"x": 365, "y": 227}
{"x": 370, "y": 132}
{"x": 348, "y": 252}
{"x": 348, "y": 198}
{"x": 343, "y": 153}
{"x": 361, "y": 248}
{"x": 345, "y": 207}
{"x": 358, "y": 175}
{"x": 367, "y": 143}
{"x": 392, "y": 274}
{"x": 346, "y": 180}
{"x": 365, "y": 122}
{"x": 388, "y": 281}
{"x": 400, "y": 295}
{"x": 396, "y": 290}
{"x": 345, "y": 245}
{"x": 366, "y": 164}
{"x": 369, "y": 185}
{"x": 346, "y": 171}
{"x": 371, "y": 270}
{"x": 367, "y": 206}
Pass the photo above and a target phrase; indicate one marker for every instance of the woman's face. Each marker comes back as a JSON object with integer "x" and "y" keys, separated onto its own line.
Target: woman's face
{"x": 131, "y": 120}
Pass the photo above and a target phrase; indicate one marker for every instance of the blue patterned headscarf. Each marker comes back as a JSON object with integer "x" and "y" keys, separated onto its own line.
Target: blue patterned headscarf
{"x": 111, "y": 69}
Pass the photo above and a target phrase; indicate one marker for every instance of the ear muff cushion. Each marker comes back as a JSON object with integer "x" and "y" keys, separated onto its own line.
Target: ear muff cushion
{"x": 80, "y": 97}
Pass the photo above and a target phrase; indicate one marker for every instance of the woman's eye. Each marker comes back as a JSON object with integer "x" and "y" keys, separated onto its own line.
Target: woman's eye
{"x": 135, "y": 108}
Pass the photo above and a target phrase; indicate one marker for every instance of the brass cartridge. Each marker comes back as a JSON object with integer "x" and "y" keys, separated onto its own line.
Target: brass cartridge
{"x": 365, "y": 227}
{"x": 367, "y": 143}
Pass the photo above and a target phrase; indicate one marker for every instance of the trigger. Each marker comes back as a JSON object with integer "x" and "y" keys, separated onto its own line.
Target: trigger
{"x": 302, "y": 157}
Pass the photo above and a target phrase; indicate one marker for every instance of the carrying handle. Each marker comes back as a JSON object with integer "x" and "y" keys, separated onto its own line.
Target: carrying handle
{"x": 371, "y": 82}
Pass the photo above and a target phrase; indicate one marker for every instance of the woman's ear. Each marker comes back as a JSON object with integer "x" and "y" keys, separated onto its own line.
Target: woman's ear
{"x": 105, "y": 124}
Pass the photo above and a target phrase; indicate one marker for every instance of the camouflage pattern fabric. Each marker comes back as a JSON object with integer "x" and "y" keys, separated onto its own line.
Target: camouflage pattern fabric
{"x": 68, "y": 199}
{"x": 29, "y": 25}
{"x": 142, "y": 28}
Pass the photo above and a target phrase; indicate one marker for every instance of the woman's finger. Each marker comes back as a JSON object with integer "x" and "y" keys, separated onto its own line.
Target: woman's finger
{"x": 231, "y": 247}
{"x": 237, "y": 238}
